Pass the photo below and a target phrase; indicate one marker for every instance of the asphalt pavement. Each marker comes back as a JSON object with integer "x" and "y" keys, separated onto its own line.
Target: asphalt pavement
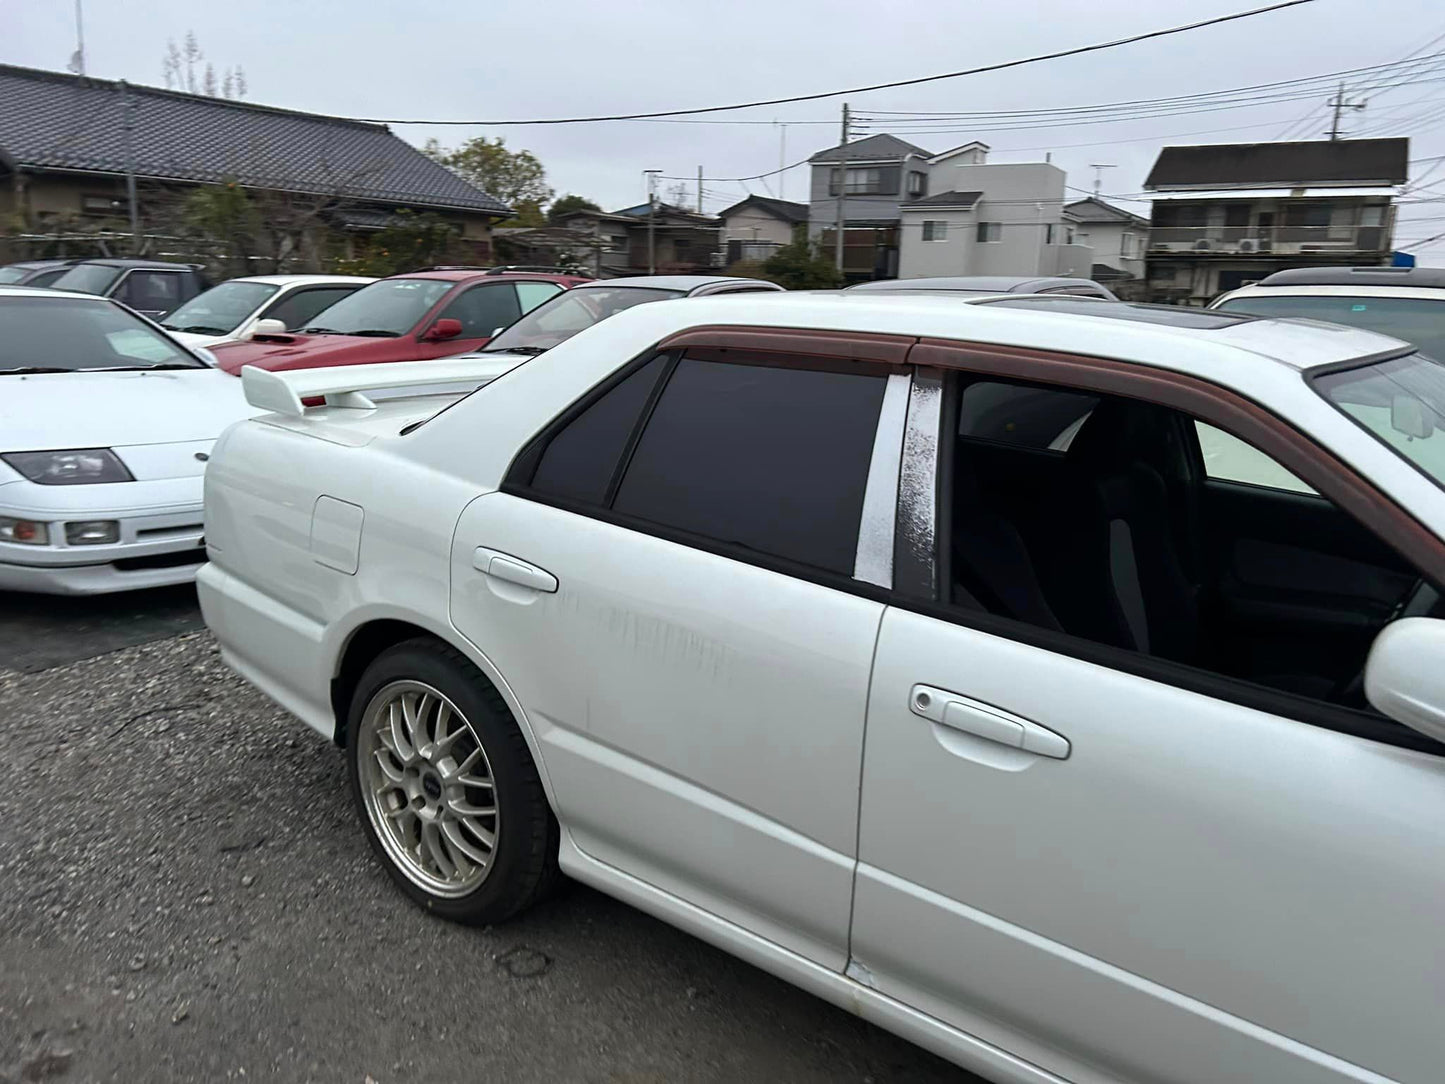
{"x": 185, "y": 896}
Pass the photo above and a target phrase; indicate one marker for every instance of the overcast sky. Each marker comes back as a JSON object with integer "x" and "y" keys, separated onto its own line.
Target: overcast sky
{"x": 507, "y": 59}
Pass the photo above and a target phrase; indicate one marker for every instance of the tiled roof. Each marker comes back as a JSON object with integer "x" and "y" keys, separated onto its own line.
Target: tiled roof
{"x": 1282, "y": 165}
{"x": 54, "y": 121}
{"x": 1096, "y": 210}
{"x": 945, "y": 199}
{"x": 876, "y": 148}
{"x": 785, "y": 210}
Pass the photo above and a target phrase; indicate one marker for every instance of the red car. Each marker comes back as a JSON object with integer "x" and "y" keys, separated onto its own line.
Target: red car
{"x": 424, "y": 314}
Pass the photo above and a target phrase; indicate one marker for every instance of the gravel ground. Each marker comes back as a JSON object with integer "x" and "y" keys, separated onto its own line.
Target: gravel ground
{"x": 184, "y": 895}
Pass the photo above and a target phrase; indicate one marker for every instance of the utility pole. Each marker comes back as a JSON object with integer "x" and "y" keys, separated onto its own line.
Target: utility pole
{"x": 782, "y": 160}
{"x": 1339, "y": 104}
{"x": 842, "y": 193}
{"x": 699, "y": 189}
{"x": 128, "y": 125}
{"x": 1098, "y": 168}
{"x": 651, "y": 175}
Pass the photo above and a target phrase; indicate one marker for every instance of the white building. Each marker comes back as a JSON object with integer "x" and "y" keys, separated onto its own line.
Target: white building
{"x": 1116, "y": 236}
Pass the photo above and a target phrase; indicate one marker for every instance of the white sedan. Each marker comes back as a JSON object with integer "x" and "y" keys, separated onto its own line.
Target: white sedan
{"x": 105, "y": 428}
{"x": 235, "y": 310}
{"x": 912, "y": 650}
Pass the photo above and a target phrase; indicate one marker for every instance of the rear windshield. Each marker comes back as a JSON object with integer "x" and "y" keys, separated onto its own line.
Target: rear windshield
{"x": 1401, "y": 402}
{"x": 387, "y": 308}
{"x": 12, "y": 274}
{"x": 73, "y": 334}
{"x": 566, "y": 314}
{"x": 1417, "y": 320}
{"x": 88, "y": 278}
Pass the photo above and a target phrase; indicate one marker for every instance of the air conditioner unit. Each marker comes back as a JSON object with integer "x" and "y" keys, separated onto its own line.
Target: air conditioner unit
{"x": 1203, "y": 246}
{"x": 1249, "y": 244}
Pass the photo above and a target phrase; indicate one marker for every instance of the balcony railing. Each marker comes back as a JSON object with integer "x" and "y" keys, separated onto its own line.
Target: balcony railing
{"x": 1250, "y": 240}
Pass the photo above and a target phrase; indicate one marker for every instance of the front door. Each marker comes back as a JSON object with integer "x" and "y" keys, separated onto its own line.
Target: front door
{"x": 685, "y": 634}
{"x": 1098, "y": 839}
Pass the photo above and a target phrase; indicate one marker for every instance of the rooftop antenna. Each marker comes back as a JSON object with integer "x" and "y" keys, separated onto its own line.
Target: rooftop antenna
{"x": 77, "y": 58}
{"x": 1098, "y": 168}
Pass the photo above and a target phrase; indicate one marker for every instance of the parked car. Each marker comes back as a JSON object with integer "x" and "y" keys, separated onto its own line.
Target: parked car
{"x": 913, "y": 652}
{"x": 1406, "y": 302}
{"x": 105, "y": 427}
{"x": 987, "y": 284}
{"x": 33, "y": 272}
{"x": 411, "y": 317}
{"x": 239, "y": 308}
{"x": 558, "y": 319}
{"x": 151, "y": 287}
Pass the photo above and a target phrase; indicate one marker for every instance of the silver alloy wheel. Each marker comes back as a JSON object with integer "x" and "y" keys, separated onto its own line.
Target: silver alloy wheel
{"x": 428, "y": 789}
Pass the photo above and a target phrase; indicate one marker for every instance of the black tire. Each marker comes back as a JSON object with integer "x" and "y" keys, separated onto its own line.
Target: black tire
{"x": 523, "y": 866}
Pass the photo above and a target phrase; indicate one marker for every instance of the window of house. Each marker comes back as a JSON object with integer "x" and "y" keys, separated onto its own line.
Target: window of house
{"x": 1068, "y": 234}
{"x": 1126, "y": 245}
{"x": 618, "y": 240}
{"x": 935, "y": 230}
{"x": 1113, "y": 540}
{"x": 917, "y": 183}
{"x": 99, "y": 205}
{"x": 990, "y": 231}
{"x": 762, "y": 456}
{"x": 483, "y": 309}
{"x": 1307, "y": 214}
{"x": 866, "y": 181}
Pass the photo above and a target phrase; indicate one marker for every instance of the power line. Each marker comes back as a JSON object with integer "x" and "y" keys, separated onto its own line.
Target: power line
{"x": 1002, "y": 65}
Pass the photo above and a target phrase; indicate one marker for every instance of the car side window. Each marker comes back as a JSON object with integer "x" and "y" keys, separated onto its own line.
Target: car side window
{"x": 767, "y": 457}
{"x": 151, "y": 291}
{"x": 482, "y": 309}
{"x": 1112, "y": 539}
{"x": 580, "y": 459}
{"x": 297, "y": 308}
{"x": 532, "y": 294}
{"x": 1229, "y": 459}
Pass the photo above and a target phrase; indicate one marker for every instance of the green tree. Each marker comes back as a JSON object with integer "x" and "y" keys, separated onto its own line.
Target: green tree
{"x": 516, "y": 178}
{"x": 411, "y": 240}
{"x": 802, "y": 266}
{"x": 566, "y": 205}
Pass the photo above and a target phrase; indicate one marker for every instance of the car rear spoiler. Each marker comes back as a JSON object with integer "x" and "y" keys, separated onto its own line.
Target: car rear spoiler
{"x": 286, "y": 392}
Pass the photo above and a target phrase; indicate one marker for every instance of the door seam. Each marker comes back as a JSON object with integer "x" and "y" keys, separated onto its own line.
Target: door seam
{"x": 862, "y": 761}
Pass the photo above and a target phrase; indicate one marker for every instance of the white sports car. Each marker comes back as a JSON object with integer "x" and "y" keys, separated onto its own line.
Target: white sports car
{"x": 105, "y": 428}
{"x": 967, "y": 664}
{"x": 234, "y": 310}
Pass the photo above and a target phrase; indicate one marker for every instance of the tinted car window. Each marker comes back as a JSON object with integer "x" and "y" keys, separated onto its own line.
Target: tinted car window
{"x": 770, "y": 458}
{"x": 88, "y": 278}
{"x": 579, "y": 460}
{"x": 1026, "y": 417}
{"x": 150, "y": 291}
{"x": 45, "y": 278}
{"x": 297, "y": 308}
{"x": 483, "y": 309}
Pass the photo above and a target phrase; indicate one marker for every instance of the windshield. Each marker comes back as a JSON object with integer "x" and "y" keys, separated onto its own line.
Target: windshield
{"x": 59, "y": 334}
{"x": 88, "y": 278}
{"x": 1417, "y": 320}
{"x": 566, "y": 314}
{"x": 388, "y": 307}
{"x": 13, "y": 274}
{"x": 1401, "y": 402}
{"x": 220, "y": 309}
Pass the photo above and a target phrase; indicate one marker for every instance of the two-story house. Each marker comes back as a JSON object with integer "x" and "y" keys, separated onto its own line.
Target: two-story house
{"x": 669, "y": 240}
{"x": 909, "y": 213}
{"x": 1117, "y": 237}
{"x": 1230, "y": 214}
{"x": 755, "y": 228}
{"x": 1005, "y": 219}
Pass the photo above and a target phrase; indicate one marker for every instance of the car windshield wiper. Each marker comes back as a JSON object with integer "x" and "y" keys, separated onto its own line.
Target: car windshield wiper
{"x": 373, "y": 333}
{"x": 319, "y": 331}
{"x": 140, "y": 368}
{"x": 199, "y": 329}
{"x": 27, "y": 369}
{"x": 530, "y": 351}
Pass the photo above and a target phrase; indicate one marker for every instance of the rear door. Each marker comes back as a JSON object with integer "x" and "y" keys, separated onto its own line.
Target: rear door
{"x": 675, "y": 585}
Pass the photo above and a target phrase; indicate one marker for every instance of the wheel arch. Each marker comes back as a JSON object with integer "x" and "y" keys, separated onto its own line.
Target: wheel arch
{"x": 376, "y": 632}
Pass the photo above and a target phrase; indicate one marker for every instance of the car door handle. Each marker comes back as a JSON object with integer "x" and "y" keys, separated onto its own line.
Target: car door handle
{"x": 986, "y": 721}
{"x": 504, "y": 566}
